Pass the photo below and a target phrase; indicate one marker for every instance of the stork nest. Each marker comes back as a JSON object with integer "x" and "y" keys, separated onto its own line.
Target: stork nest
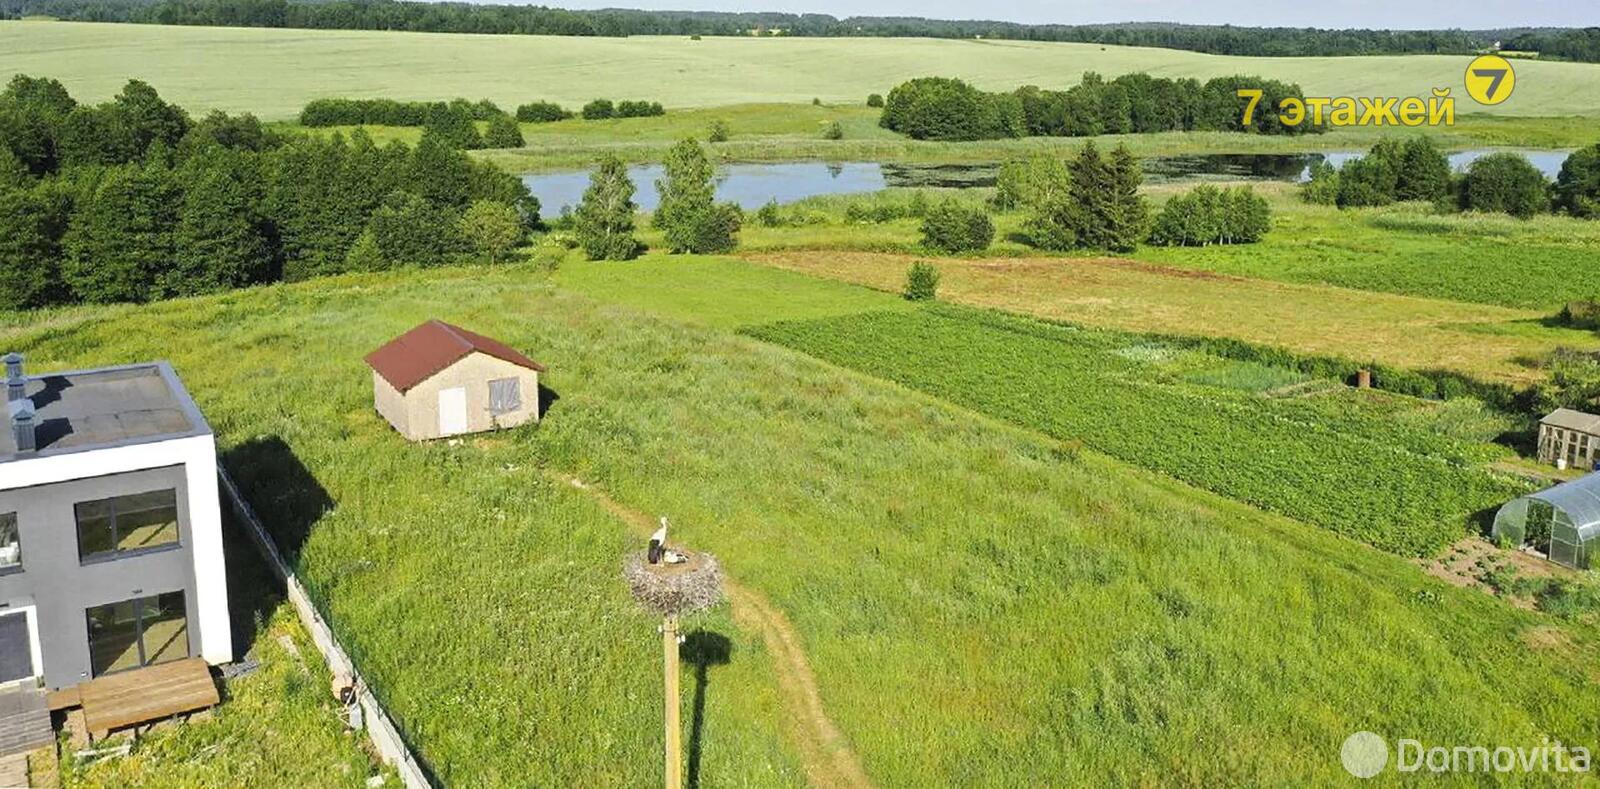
{"x": 674, "y": 589}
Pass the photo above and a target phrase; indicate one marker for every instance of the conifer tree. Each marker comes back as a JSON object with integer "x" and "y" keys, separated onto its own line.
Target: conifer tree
{"x": 1129, "y": 216}
{"x": 603, "y": 222}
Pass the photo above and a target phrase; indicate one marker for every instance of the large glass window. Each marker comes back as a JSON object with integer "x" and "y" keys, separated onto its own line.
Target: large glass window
{"x": 140, "y": 632}
{"x": 127, "y": 523}
{"x": 10, "y": 542}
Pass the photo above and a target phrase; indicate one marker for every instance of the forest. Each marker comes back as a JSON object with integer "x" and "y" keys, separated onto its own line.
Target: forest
{"x": 1551, "y": 43}
{"x": 133, "y": 200}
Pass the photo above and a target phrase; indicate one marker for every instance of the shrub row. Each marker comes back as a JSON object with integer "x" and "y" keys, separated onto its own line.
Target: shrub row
{"x": 388, "y": 112}
{"x": 600, "y": 109}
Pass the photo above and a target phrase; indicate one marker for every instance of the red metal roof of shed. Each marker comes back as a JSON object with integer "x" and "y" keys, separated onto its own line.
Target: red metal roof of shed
{"x": 428, "y": 349}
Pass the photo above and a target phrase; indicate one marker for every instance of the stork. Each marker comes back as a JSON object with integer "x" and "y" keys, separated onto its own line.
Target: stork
{"x": 659, "y": 552}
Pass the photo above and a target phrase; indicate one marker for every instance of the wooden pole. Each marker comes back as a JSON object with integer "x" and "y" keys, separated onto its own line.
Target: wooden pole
{"x": 674, "y": 746}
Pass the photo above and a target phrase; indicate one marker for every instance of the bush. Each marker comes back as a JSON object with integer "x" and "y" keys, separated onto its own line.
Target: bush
{"x": 639, "y": 109}
{"x": 542, "y": 112}
{"x": 816, "y": 102}
{"x": 1208, "y": 215}
{"x": 453, "y": 126}
{"x": 874, "y": 100}
{"x": 503, "y": 132}
{"x": 1507, "y": 183}
{"x": 599, "y": 109}
{"x": 1367, "y": 181}
{"x": 1323, "y": 186}
{"x": 1578, "y": 184}
{"x": 832, "y": 131}
{"x": 388, "y": 112}
{"x": 1582, "y": 314}
{"x": 769, "y": 214}
{"x": 953, "y": 227}
{"x": 922, "y": 282}
{"x": 718, "y": 131}
{"x": 492, "y": 229}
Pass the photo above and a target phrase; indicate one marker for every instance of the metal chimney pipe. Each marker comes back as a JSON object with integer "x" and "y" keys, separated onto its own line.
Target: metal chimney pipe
{"x": 15, "y": 383}
{"x": 22, "y": 426}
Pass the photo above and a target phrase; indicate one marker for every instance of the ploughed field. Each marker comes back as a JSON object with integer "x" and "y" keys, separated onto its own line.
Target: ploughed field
{"x": 981, "y": 598}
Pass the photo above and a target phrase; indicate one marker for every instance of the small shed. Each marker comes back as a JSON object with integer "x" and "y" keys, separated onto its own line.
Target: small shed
{"x": 441, "y": 380}
{"x": 1569, "y": 438}
{"x": 1567, "y": 516}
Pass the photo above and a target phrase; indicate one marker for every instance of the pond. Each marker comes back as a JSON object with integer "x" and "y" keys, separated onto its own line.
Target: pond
{"x": 753, "y": 185}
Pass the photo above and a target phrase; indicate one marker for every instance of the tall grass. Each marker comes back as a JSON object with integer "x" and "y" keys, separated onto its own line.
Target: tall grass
{"x": 980, "y": 604}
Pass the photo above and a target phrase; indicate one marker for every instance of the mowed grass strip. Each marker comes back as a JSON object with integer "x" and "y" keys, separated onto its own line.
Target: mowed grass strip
{"x": 1483, "y": 341}
{"x": 1053, "y": 379}
{"x": 980, "y": 604}
{"x": 273, "y": 72}
{"x": 1533, "y": 264}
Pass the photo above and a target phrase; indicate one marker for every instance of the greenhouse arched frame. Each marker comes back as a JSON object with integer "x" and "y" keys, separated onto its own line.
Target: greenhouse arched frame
{"x": 1571, "y": 511}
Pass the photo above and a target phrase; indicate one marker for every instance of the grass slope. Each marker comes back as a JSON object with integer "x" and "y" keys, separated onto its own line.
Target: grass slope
{"x": 979, "y": 604}
{"x": 274, "y": 72}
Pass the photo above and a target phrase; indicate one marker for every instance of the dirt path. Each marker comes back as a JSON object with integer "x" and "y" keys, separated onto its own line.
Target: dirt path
{"x": 824, "y": 751}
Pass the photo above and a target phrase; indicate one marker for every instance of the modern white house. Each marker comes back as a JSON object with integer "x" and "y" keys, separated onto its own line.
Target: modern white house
{"x": 111, "y": 557}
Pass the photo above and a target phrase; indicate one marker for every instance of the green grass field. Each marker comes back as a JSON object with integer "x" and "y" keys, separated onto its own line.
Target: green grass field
{"x": 273, "y": 72}
{"x": 980, "y": 604}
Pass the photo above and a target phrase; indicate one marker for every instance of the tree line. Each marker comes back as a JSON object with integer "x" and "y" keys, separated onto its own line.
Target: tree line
{"x": 943, "y": 108}
{"x": 155, "y": 204}
{"x": 1564, "y": 43}
{"x": 1415, "y": 169}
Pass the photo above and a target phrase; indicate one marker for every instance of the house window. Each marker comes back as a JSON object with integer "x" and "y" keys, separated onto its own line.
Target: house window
{"x": 505, "y": 396}
{"x": 122, "y": 524}
{"x": 10, "y": 542}
{"x": 135, "y": 633}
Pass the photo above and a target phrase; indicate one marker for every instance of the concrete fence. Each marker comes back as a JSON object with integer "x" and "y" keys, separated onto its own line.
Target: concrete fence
{"x": 379, "y": 726}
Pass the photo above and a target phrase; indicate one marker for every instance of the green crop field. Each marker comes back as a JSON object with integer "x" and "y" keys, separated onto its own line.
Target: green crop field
{"x": 1364, "y": 478}
{"x": 979, "y": 603}
{"x": 273, "y": 72}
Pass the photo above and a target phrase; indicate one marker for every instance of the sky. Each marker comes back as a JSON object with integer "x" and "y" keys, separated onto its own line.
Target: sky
{"x": 1392, "y": 14}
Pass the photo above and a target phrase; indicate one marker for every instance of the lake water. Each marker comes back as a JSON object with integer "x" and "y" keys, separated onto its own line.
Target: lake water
{"x": 753, "y": 185}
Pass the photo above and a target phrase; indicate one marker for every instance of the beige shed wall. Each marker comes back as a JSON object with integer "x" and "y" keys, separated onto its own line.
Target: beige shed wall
{"x": 472, "y": 373}
{"x": 390, "y": 404}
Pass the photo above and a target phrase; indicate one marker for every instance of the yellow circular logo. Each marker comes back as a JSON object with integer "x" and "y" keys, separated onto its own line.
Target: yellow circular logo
{"x": 1490, "y": 79}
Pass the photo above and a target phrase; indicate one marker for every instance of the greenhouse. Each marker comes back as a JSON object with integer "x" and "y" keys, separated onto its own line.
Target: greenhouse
{"x": 1563, "y": 520}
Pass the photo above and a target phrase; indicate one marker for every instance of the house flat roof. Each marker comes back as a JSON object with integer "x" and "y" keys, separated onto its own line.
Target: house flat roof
{"x": 428, "y": 349}
{"x": 1568, "y": 419}
{"x": 92, "y": 409}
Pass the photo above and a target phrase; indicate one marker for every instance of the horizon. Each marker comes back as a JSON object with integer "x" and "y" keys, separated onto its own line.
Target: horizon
{"x": 1408, "y": 15}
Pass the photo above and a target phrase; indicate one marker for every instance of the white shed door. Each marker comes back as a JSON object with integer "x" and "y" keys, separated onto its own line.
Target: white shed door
{"x": 452, "y": 411}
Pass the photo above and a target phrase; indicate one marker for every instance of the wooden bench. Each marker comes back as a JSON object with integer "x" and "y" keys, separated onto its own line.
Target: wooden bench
{"x": 148, "y": 694}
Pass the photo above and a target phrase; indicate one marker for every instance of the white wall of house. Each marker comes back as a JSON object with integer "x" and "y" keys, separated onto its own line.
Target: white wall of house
{"x": 198, "y": 457}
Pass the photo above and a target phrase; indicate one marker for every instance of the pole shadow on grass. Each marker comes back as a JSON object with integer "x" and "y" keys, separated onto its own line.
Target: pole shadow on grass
{"x": 282, "y": 491}
{"x": 701, "y": 649}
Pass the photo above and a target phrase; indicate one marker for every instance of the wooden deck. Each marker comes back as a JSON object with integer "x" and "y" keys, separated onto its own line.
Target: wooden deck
{"x": 148, "y": 694}
{"x": 24, "y": 721}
